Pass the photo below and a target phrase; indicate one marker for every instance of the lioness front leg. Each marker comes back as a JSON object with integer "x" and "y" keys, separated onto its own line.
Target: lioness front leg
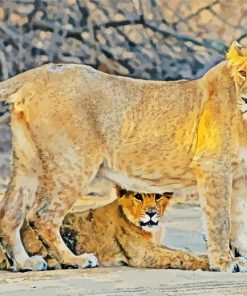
{"x": 239, "y": 218}
{"x": 214, "y": 183}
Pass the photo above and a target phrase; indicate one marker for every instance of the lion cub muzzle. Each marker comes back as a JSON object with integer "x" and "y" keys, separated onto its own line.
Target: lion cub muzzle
{"x": 150, "y": 219}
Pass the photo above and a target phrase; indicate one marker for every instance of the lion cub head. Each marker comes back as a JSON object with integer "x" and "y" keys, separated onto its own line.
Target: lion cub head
{"x": 237, "y": 57}
{"x": 143, "y": 209}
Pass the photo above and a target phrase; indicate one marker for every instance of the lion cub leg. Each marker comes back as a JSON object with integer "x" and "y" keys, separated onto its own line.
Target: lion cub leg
{"x": 34, "y": 246}
{"x": 61, "y": 185}
{"x": 141, "y": 252}
{"x": 4, "y": 262}
{"x": 214, "y": 185}
{"x": 239, "y": 218}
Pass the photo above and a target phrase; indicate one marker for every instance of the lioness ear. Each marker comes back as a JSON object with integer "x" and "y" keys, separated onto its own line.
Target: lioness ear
{"x": 239, "y": 48}
{"x": 168, "y": 194}
{"x": 120, "y": 192}
{"x": 237, "y": 54}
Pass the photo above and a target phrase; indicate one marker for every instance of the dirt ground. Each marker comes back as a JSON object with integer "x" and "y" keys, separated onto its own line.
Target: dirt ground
{"x": 123, "y": 282}
{"x": 183, "y": 230}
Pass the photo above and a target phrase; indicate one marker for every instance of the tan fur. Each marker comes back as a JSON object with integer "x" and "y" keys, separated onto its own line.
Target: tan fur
{"x": 71, "y": 123}
{"x": 113, "y": 233}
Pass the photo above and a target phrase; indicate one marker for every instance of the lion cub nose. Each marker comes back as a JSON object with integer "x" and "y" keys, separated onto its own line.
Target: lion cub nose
{"x": 151, "y": 212}
{"x": 244, "y": 98}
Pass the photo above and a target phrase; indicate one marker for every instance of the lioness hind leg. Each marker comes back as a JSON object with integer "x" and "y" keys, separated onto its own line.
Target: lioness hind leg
{"x": 19, "y": 197}
{"x": 62, "y": 184}
{"x": 13, "y": 215}
{"x": 239, "y": 218}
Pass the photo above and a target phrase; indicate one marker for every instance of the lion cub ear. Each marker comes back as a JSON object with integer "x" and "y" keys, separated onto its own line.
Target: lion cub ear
{"x": 237, "y": 54}
{"x": 120, "y": 192}
{"x": 168, "y": 194}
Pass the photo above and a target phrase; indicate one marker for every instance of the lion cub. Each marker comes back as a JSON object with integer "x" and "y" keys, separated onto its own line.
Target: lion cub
{"x": 120, "y": 233}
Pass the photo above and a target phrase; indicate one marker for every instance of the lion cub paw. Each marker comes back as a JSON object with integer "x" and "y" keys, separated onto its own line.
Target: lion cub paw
{"x": 201, "y": 263}
{"x": 238, "y": 264}
{"x": 34, "y": 263}
{"x": 85, "y": 260}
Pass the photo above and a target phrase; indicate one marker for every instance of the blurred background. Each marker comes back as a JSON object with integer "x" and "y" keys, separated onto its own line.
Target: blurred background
{"x": 149, "y": 39}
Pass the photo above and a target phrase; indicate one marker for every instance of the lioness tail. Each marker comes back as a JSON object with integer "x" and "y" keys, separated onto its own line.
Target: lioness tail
{"x": 8, "y": 87}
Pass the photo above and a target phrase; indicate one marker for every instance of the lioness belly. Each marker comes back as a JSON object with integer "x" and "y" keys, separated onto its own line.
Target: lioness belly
{"x": 150, "y": 165}
{"x": 155, "y": 185}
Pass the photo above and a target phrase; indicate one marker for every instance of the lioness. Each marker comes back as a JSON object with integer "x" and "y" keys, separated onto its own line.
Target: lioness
{"x": 122, "y": 232}
{"x": 71, "y": 123}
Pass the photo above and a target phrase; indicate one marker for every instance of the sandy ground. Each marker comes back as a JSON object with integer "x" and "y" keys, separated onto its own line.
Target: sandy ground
{"x": 123, "y": 282}
{"x": 183, "y": 230}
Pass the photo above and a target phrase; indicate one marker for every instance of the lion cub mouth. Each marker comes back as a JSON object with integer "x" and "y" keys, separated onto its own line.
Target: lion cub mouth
{"x": 150, "y": 223}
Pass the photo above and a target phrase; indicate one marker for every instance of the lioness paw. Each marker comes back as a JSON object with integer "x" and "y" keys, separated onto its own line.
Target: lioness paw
{"x": 34, "y": 263}
{"x": 92, "y": 260}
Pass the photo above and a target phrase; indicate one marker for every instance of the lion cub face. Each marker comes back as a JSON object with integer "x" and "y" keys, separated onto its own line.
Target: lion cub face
{"x": 237, "y": 56}
{"x": 143, "y": 209}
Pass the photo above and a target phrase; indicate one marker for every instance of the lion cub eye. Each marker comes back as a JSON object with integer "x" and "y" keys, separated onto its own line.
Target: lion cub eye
{"x": 242, "y": 73}
{"x": 138, "y": 196}
{"x": 157, "y": 196}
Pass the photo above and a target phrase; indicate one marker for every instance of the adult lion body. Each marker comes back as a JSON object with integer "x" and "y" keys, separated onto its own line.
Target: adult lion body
{"x": 71, "y": 123}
